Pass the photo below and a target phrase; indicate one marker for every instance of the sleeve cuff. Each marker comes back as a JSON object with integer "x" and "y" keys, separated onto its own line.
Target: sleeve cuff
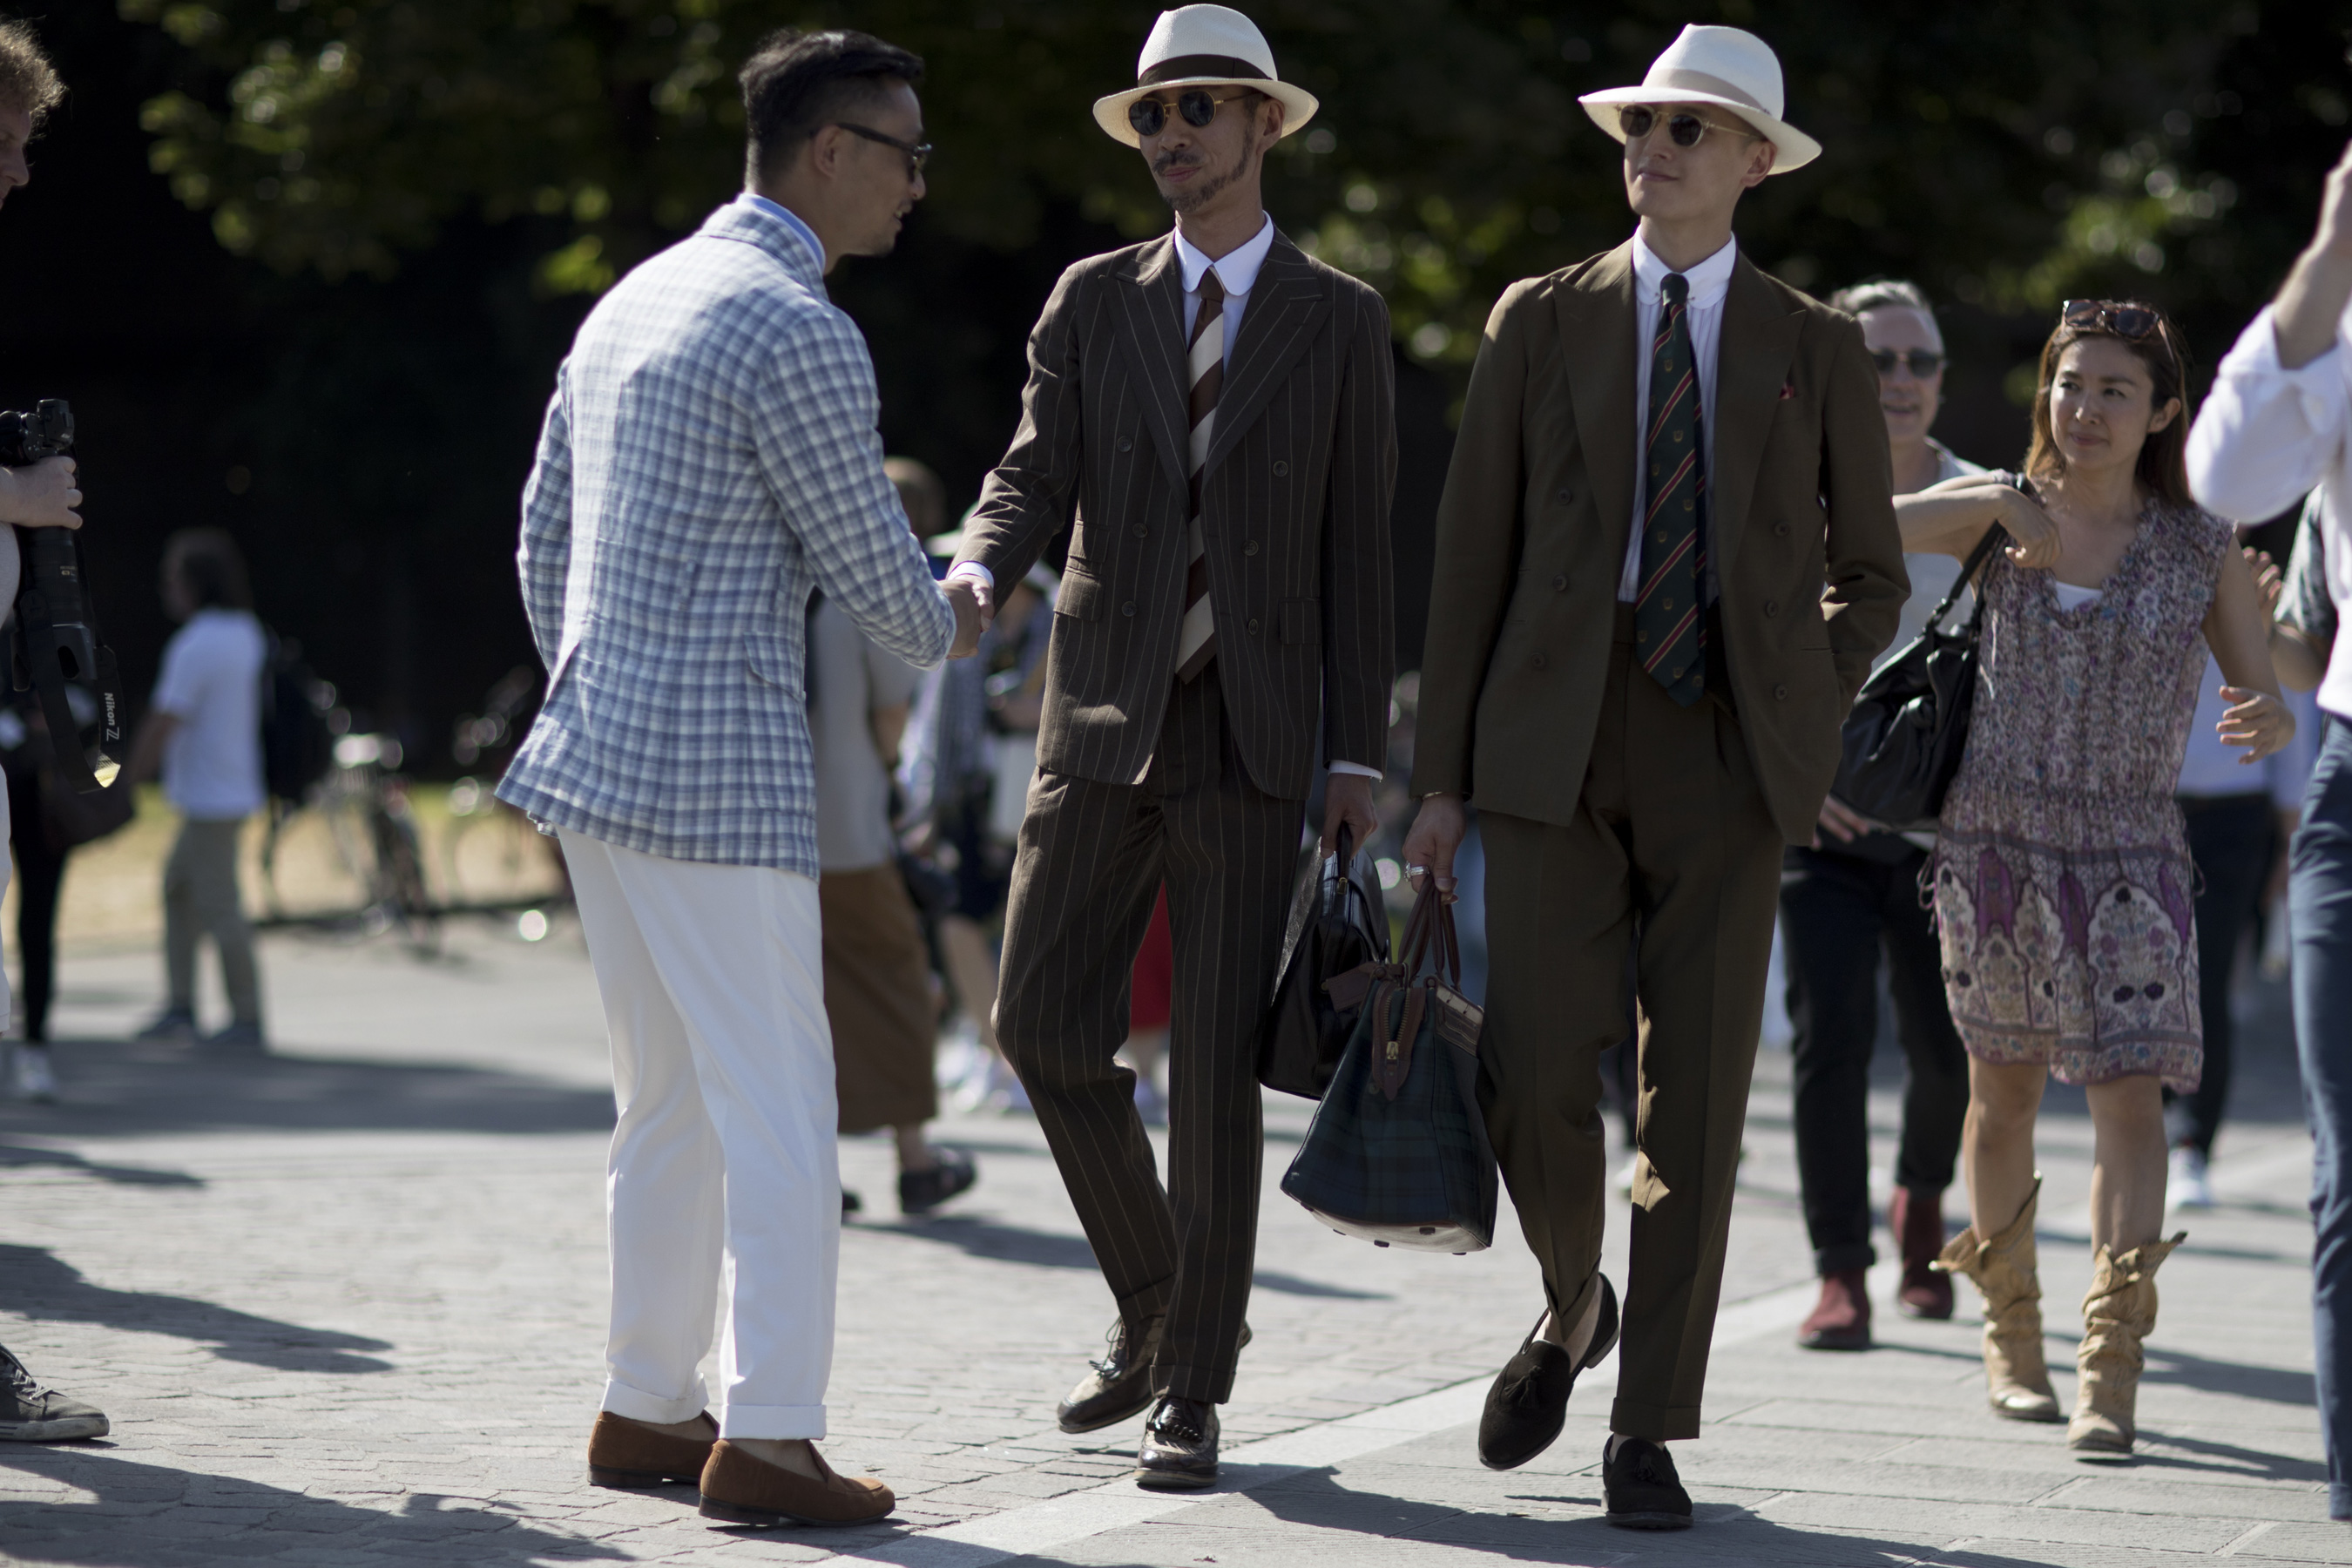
{"x": 973, "y": 569}
{"x": 1358, "y": 769}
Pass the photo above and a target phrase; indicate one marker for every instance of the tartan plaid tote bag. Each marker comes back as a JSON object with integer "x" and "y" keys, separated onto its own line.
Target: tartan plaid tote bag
{"x": 1396, "y": 1154}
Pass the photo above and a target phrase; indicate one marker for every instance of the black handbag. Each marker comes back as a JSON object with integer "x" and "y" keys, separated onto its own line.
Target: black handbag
{"x": 1908, "y": 730}
{"x": 1337, "y": 924}
{"x": 1396, "y": 1154}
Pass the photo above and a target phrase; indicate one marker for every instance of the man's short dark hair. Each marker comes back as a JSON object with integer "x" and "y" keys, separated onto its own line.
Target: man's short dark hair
{"x": 209, "y": 562}
{"x": 796, "y": 82}
{"x": 27, "y": 81}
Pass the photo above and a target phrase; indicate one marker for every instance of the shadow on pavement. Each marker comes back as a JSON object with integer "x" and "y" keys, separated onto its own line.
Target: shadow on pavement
{"x": 2229, "y": 1459}
{"x": 1053, "y": 1249}
{"x": 52, "y": 1290}
{"x": 115, "y": 1087}
{"x": 21, "y": 1156}
{"x": 2275, "y": 1384}
{"x": 180, "y": 1516}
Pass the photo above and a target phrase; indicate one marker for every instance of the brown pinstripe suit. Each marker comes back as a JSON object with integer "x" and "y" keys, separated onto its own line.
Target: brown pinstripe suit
{"x": 1294, "y": 504}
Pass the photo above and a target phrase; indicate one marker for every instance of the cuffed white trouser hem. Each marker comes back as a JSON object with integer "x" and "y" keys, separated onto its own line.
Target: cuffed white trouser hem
{"x": 806, "y": 1421}
{"x": 638, "y": 1406}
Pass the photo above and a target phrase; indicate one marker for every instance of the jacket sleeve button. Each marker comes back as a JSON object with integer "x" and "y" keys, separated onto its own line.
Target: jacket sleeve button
{"x": 1537, "y": 661}
{"x": 1281, "y": 469}
{"x": 1128, "y": 608}
{"x": 1560, "y": 583}
{"x": 1141, "y": 532}
{"x": 1780, "y": 530}
{"x": 1771, "y": 606}
{"x": 1779, "y": 694}
{"x": 1250, "y": 548}
{"x": 1252, "y": 628}
{"x": 1126, "y": 444}
{"x": 1565, "y": 497}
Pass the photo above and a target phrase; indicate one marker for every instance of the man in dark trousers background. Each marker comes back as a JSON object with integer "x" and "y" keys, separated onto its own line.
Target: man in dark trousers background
{"x": 1666, "y": 556}
{"x": 1211, "y": 415}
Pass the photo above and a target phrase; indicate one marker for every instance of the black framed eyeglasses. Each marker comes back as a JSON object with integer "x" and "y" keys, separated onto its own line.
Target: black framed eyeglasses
{"x": 918, "y": 153}
{"x": 2130, "y": 321}
{"x": 1198, "y": 105}
{"x": 1684, "y": 129}
{"x": 1923, "y": 363}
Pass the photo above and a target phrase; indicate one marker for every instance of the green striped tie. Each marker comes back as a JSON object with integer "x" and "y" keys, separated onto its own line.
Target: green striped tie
{"x": 1669, "y": 627}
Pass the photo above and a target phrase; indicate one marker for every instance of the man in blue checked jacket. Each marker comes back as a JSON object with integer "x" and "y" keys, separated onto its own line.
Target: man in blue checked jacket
{"x": 708, "y": 458}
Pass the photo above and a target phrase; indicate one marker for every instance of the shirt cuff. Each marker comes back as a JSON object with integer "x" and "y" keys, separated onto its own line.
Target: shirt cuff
{"x": 1358, "y": 769}
{"x": 973, "y": 569}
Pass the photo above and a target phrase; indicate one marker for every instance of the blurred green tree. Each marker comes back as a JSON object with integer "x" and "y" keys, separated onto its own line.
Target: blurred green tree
{"x": 2003, "y": 153}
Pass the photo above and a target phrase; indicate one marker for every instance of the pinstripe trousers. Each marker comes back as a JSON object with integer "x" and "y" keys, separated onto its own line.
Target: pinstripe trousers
{"x": 1091, "y": 857}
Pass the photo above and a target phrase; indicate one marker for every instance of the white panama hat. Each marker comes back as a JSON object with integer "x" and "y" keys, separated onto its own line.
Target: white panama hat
{"x": 1203, "y": 46}
{"x": 1722, "y": 66}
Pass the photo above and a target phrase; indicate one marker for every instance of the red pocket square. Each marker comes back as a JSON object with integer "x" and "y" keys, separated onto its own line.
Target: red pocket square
{"x": 1788, "y": 389}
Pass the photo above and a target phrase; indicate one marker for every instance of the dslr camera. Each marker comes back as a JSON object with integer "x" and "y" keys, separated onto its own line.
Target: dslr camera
{"x": 54, "y": 632}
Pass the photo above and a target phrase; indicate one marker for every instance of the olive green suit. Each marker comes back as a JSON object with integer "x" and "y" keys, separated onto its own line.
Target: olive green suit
{"x": 1616, "y": 821}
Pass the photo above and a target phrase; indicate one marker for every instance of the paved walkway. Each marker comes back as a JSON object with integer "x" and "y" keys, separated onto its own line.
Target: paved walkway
{"x": 344, "y": 1307}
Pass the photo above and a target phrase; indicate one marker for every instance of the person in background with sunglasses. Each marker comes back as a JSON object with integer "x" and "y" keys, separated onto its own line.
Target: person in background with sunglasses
{"x": 1666, "y": 557}
{"x": 2279, "y": 422}
{"x": 1854, "y": 891}
{"x": 2062, "y": 881}
{"x": 1211, "y": 415}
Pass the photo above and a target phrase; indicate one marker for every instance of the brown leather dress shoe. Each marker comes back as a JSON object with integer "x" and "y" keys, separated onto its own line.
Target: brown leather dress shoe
{"x": 1916, "y": 1216}
{"x": 1841, "y": 1319}
{"x": 625, "y": 1453}
{"x": 743, "y": 1489}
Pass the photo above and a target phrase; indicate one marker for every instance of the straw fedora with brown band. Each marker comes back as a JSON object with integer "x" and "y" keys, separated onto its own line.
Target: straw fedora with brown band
{"x": 1724, "y": 66}
{"x": 1203, "y": 46}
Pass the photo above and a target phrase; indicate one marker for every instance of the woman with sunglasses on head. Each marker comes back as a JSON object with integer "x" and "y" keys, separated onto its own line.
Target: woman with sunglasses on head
{"x": 1850, "y": 895}
{"x": 2062, "y": 880}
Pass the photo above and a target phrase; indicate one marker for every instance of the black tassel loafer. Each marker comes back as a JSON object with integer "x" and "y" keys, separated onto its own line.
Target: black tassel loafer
{"x": 1641, "y": 1488}
{"x": 1180, "y": 1446}
{"x": 1528, "y": 1403}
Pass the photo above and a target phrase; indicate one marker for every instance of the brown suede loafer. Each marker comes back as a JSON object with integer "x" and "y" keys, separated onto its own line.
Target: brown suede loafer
{"x": 625, "y": 1453}
{"x": 741, "y": 1490}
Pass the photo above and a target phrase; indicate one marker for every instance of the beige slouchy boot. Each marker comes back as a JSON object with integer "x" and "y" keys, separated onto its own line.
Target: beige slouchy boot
{"x": 2017, "y": 1380}
{"x": 2118, "y": 1314}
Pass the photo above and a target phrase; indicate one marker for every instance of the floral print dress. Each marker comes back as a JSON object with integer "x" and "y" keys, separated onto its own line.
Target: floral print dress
{"x": 2062, "y": 882}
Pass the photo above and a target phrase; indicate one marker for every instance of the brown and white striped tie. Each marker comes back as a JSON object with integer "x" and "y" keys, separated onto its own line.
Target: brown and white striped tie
{"x": 1196, "y": 638}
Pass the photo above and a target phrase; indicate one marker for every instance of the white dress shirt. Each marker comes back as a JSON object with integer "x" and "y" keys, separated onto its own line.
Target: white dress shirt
{"x": 1237, "y": 271}
{"x": 1710, "y": 280}
{"x": 2265, "y": 435}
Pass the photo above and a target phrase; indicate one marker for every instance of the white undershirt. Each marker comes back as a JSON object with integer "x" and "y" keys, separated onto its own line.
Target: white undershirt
{"x": 2071, "y": 597}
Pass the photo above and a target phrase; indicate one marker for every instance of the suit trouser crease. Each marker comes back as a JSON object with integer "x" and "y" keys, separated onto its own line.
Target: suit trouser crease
{"x": 1671, "y": 834}
{"x": 2319, "y": 891}
{"x": 201, "y": 898}
{"x": 1091, "y": 858}
{"x": 723, "y": 1178}
{"x": 1838, "y": 913}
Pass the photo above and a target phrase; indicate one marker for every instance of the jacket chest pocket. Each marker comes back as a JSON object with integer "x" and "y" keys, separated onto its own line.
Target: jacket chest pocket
{"x": 1302, "y": 621}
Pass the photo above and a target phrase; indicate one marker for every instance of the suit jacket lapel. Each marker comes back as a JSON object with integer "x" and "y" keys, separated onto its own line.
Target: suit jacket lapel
{"x": 1287, "y": 308}
{"x": 1151, "y": 324}
{"x": 1597, "y": 329}
{"x": 1752, "y": 362}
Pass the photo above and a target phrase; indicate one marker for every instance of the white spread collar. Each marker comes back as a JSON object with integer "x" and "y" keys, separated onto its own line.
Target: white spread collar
{"x": 1237, "y": 270}
{"x": 1709, "y": 280}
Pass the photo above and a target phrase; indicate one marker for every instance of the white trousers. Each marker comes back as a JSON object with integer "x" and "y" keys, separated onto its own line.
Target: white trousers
{"x": 723, "y": 1163}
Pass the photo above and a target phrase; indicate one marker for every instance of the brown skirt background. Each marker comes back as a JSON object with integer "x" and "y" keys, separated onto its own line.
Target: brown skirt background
{"x": 877, "y": 995}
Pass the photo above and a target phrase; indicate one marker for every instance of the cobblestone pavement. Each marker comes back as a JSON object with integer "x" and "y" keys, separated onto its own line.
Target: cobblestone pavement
{"x": 344, "y": 1307}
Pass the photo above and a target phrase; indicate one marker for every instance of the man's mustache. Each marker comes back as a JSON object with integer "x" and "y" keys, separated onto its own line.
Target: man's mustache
{"x": 1167, "y": 161}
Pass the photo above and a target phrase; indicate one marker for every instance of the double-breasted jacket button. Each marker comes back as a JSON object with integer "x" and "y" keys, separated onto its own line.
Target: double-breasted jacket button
{"x": 1560, "y": 583}
{"x": 1537, "y": 661}
{"x": 1781, "y": 529}
{"x": 1281, "y": 469}
{"x": 1252, "y": 628}
{"x": 1141, "y": 532}
{"x": 1771, "y": 606}
{"x": 1128, "y": 608}
{"x": 1126, "y": 444}
{"x": 1249, "y": 547}
{"x": 1779, "y": 694}
{"x": 1565, "y": 497}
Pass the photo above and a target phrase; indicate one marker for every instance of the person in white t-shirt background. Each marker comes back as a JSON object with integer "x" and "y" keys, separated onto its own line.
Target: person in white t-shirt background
{"x": 203, "y": 733}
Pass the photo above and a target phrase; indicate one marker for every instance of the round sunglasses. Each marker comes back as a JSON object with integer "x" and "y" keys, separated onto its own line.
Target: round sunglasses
{"x": 1198, "y": 106}
{"x": 1684, "y": 129}
{"x": 1923, "y": 363}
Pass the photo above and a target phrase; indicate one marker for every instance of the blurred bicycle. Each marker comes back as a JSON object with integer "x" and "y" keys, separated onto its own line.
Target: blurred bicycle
{"x": 364, "y": 801}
